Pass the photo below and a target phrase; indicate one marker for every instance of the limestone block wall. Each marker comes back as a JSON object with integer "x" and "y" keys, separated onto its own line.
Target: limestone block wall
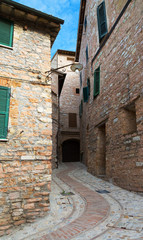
{"x": 116, "y": 114}
{"x": 30, "y": 53}
{"x": 25, "y": 158}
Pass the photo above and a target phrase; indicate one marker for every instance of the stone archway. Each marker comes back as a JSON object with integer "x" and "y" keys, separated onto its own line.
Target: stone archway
{"x": 71, "y": 151}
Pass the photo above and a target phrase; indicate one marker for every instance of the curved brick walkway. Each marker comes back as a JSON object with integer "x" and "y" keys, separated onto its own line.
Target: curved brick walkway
{"x": 96, "y": 210}
{"x": 85, "y": 215}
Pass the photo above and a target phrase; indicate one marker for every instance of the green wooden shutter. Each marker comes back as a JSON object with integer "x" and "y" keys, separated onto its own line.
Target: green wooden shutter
{"x": 6, "y": 32}
{"x": 96, "y": 82}
{"x": 102, "y": 20}
{"x": 85, "y": 23}
{"x": 81, "y": 109}
{"x": 85, "y": 94}
{"x": 80, "y": 79}
{"x": 81, "y": 106}
{"x": 4, "y": 110}
{"x": 88, "y": 85}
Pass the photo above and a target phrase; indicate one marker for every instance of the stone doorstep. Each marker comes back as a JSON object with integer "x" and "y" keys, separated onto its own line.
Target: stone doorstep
{"x": 33, "y": 157}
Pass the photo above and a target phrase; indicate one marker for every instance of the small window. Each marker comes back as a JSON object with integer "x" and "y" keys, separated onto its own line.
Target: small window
{"x": 81, "y": 109}
{"x": 88, "y": 85}
{"x": 72, "y": 120}
{"x": 102, "y": 20}
{"x": 96, "y": 89}
{"x": 6, "y": 32}
{"x": 85, "y": 23}
{"x": 86, "y": 54}
{"x": 77, "y": 90}
{"x": 80, "y": 79}
{"x": 70, "y": 59}
{"x": 4, "y": 111}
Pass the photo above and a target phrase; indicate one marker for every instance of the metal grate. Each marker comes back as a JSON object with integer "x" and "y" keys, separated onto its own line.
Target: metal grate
{"x": 67, "y": 193}
{"x": 102, "y": 191}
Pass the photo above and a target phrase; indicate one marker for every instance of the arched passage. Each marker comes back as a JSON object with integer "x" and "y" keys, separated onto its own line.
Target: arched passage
{"x": 71, "y": 151}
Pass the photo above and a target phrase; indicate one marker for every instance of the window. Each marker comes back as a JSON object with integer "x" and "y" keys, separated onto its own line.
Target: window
{"x": 102, "y": 21}
{"x": 85, "y": 94}
{"x": 70, "y": 59}
{"x": 4, "y": 111}
{"x": 88, "y": 85}
{"x": 77, "y": 90}
{"x": 96, "y": 89}
{"x": 86, "y": 91}
{"x": 6, "y": 32}
{"x": 81, "y": 109}
{"x": 86, "y": 54}
{"x": 80, "y": 79}
{"x": 72, "y": 120}
{"x": 85, "y": 23}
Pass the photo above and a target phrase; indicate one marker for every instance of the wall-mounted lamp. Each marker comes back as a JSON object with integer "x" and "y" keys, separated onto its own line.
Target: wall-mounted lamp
{"x": 75, "y": 67}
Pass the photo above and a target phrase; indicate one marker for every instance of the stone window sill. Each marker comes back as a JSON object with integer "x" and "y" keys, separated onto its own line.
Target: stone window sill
{"x": 3, "y": 140}
{"x": 11, "y": 48}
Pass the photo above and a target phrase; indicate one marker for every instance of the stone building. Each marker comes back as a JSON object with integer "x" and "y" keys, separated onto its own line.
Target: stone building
{"x": 67, "y": 88}
{"x": 109, "y": 46}
{"x": 26, "y": 37}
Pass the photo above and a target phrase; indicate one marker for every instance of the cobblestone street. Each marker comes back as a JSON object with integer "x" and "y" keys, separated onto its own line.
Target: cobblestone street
{"x": 85, "y": 207}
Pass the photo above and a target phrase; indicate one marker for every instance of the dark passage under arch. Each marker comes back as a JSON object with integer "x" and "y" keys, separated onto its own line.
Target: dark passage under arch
{"x": 71, "y": 151}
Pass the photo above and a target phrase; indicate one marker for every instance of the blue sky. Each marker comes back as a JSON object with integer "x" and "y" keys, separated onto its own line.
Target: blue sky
{"x": 68, "y": 10}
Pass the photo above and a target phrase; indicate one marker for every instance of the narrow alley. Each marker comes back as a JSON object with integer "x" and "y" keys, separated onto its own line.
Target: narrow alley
{"x": 71, "y": 120}
{"x": 84, "y": 207}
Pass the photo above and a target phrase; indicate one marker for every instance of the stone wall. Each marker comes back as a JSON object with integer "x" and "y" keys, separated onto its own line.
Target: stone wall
{"x": 115, "y": 116}
{"x": 25, "y": 158}
{"x": 30, "y": 53}
{"x": 69, "y": 99}
{"x": 69, "y": 103}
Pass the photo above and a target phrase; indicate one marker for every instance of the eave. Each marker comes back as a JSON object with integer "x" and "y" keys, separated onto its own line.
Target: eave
{"x": 13, "y": 10}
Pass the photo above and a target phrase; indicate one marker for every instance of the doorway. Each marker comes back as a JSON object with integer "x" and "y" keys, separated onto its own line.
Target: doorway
{"x": 71, "y": 151}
